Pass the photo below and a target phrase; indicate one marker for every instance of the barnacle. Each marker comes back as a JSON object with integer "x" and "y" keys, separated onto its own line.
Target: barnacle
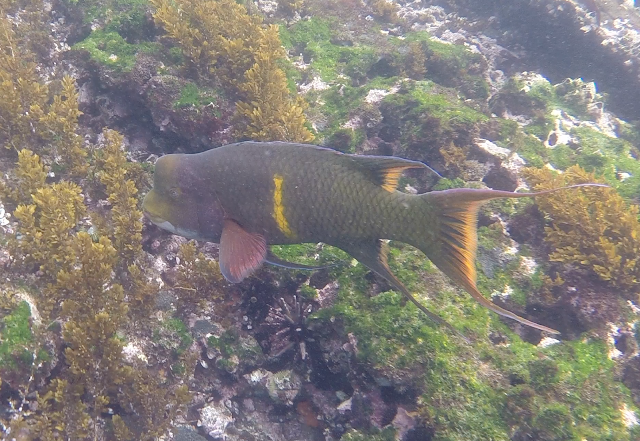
{"x": 287, "y": 325}
{"x": 594, "y": 228}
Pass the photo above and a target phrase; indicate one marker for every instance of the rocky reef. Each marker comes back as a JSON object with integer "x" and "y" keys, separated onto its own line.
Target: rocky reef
{"x": 111, "y": 329}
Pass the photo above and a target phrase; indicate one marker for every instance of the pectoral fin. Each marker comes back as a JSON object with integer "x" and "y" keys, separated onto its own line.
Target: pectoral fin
{"x": 373, "y": 255}
{"x": 275, "y": 260}
{"x": 241, "y": 252}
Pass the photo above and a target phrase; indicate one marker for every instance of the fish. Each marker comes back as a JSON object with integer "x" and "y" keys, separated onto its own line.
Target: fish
{"x": 250, "y": 195}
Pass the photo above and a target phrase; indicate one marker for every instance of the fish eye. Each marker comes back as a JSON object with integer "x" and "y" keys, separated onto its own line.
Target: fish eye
{"x": 174, "y": 192}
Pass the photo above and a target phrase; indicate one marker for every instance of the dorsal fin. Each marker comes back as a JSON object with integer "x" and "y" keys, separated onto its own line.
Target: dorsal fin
{"x": 384, "y": 170}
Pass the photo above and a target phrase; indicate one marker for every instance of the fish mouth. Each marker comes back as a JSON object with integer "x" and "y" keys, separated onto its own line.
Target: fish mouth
{"x": 152, "y": 217}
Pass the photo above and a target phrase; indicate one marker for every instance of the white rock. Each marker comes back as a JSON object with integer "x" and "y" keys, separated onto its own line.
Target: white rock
{"x": 345, "y": 406}
{"x": 215, "y": 418}
{"x": 629, "y": 417}
{"x": 492, "y": 149}
{"x": 376, "y": 95}
{"x": 133, "y": 352}
{"x": 547, "y": 341}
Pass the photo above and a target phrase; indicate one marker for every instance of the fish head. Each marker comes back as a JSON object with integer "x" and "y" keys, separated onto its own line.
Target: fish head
{"x": 178, "y": 202}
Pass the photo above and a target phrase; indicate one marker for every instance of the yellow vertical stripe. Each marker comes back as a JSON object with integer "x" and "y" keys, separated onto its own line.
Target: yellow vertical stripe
{"x": 278, "y": 207}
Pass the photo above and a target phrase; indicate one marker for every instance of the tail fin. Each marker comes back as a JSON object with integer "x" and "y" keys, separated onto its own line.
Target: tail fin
{"x": 455, "y": 252}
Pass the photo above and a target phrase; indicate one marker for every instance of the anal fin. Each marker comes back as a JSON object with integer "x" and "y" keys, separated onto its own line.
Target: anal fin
{"x": 373, "y": 255}
{"x": 241, "y": 252}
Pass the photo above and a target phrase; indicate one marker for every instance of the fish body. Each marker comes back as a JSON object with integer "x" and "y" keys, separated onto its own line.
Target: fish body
{"x": 250, "y": 195}
{"x": 295, "y": 193}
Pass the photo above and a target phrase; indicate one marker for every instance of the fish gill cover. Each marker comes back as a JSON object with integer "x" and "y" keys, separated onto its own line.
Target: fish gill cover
{"x": 111, "y": 329}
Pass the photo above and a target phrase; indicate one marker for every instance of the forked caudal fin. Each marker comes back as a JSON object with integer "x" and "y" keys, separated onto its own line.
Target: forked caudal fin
{"x": 455, "y": 252}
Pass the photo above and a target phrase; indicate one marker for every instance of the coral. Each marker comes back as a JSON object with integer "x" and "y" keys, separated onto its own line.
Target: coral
{"x": 593, "y": 228}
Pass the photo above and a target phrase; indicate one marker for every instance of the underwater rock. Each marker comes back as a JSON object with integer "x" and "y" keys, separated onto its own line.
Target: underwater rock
{"x": 404, "y": 422}
{"x": 283, "y": 387}
{"x": 589, "y": 39}
{"x": 179, "y": 107}
{"x": 214, "y": 419}
{"x": 187, "y": 433}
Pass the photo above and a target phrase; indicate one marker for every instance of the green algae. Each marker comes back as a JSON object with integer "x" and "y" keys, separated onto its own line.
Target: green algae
{"x": 118, "y": 15}
{"x": 234, "y": 349}
{"x": 110, "y": 49}
{"x": 447, "y": 184}
{"x": 566, "y": 391}
{"x": 612, "y": 158}
{"x": 173, "y": 335}
{"x": 16, "y": 338}
{"x": 312, "y": 255}
{"x": 192, "y": 96}
{"x": 451, "y": 65}
{"x": 609, "y": 157}
{"x": 386, "y": 434}
{"x": 425, "y": 98}
{"x": 313, "y": 38}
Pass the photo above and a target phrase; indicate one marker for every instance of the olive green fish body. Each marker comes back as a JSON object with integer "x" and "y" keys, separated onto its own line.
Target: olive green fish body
{"x": 292, "y": 194}
{"x": 250, "y": 195}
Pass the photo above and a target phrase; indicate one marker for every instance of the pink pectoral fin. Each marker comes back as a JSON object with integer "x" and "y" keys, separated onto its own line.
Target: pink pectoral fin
{"x": 241, "y": 252}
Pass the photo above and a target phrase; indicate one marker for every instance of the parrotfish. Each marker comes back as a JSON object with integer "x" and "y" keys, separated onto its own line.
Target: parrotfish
{"x": 250, "y": 195}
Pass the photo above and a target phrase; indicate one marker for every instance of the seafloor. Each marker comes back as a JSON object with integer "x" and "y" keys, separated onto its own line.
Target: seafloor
{"x": 111, "y": 329}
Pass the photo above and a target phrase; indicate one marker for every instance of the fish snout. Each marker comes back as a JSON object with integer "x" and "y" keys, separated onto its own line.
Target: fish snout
{"x": 147, "y": 208}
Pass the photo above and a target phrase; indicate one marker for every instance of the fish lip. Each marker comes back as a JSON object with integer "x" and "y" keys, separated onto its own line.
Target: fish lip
{"x": 154, "y": 219}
